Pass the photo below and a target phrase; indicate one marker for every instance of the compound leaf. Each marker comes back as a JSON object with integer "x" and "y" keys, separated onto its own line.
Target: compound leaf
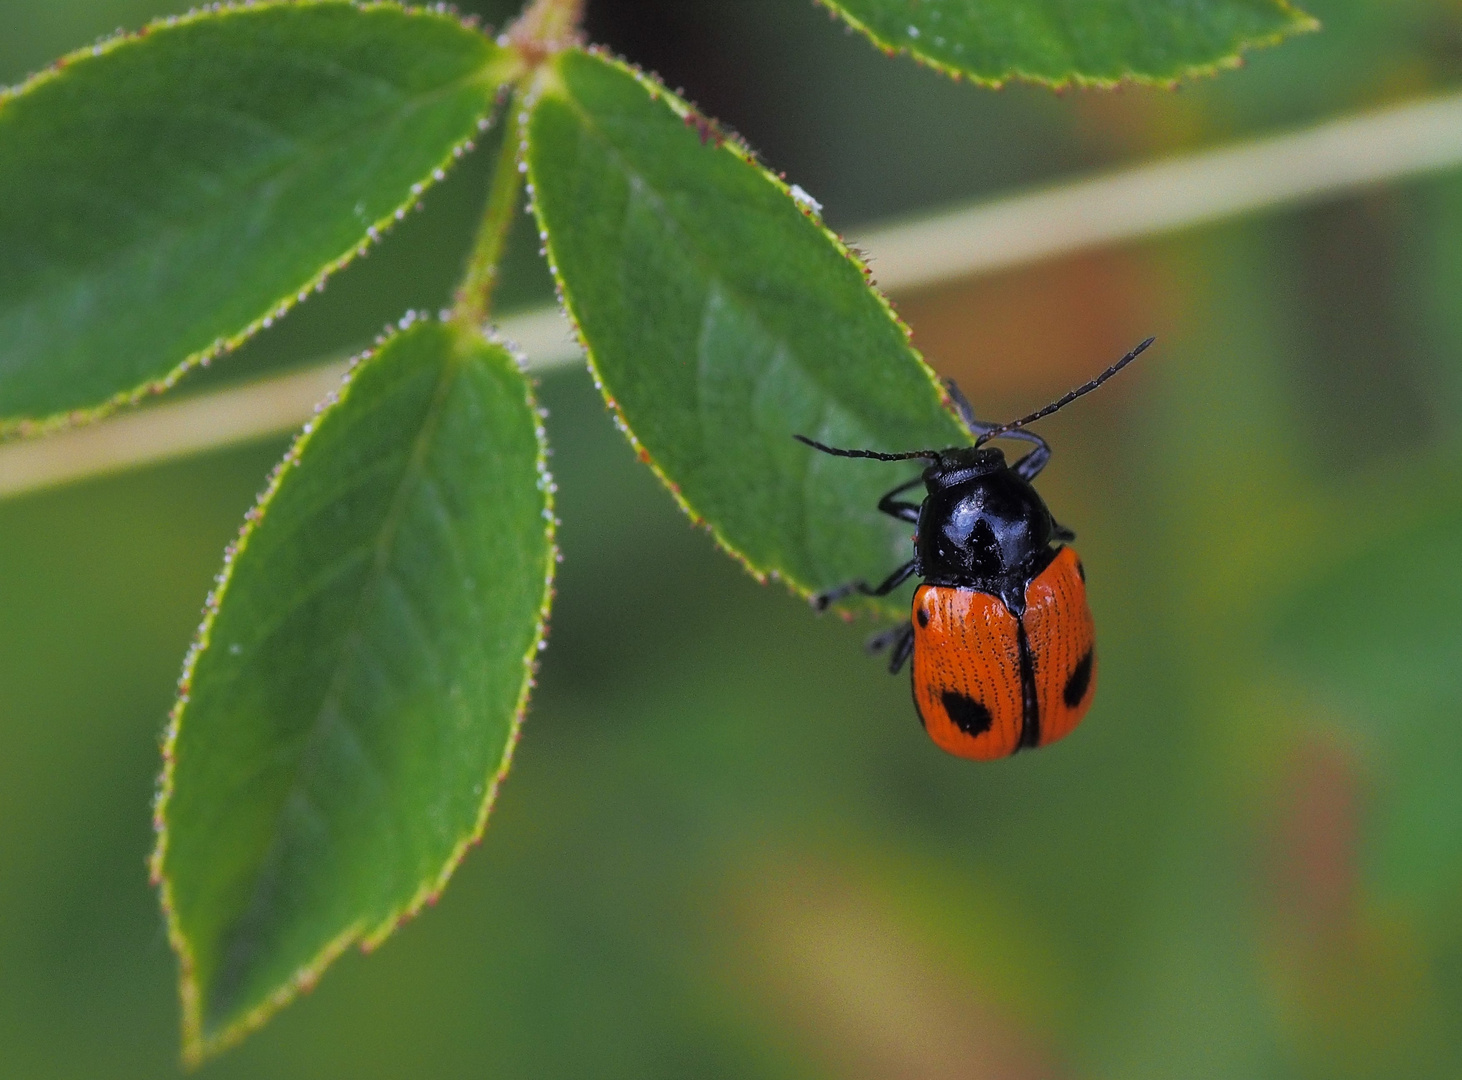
{"x": 164, "y": 195}
{"x": 722, "y": 318}
{"x": 357, "y": 685}
{"x": 1090, "y": 43}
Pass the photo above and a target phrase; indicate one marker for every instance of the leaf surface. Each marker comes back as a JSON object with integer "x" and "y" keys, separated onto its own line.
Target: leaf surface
{"x": 722, "y": 318}
{"x": 163, "y": 196}
{"x": 356, "y": 689}
{"x": 1090, "y": 43}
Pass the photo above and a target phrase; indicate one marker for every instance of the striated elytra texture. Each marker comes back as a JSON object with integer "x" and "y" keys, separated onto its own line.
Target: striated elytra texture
{"x": 356, "y": 689}
{"x": 167, "y": 193}
{"x": 721, "y": 318}
{"x": 1088, "y": 42}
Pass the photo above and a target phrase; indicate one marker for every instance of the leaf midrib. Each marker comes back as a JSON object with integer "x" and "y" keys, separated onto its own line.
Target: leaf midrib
{"x": 411, "y": 473}
{"x": 832, "y": 398}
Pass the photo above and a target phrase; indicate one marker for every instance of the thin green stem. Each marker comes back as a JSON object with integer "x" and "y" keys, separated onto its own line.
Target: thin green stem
{"x": 546, "y": 27}
{"x": 474, "y": 295}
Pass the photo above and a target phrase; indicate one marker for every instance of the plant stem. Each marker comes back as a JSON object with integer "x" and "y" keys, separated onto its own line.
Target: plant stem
{"x": 474, "y": 295}
{"x": 546, "y": 27}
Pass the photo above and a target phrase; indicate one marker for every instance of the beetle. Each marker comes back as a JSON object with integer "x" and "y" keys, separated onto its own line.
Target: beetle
{"x": 1001, "y": 636}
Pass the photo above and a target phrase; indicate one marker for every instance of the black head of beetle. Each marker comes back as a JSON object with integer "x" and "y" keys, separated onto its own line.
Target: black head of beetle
{"x": 981, "y": 524}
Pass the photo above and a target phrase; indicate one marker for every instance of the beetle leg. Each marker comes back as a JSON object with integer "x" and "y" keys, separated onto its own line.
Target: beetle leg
{"x": 902, "y": 649}
{"x": 1028, "y": 467}
{"x": 901, "y": 637}
{"x": 962, "y": 406}
{"x": 884, "y": 638}
{"x": 821, "y": 601}
{"x": 904, "y": 511}
{"x": 1061, "y": 533}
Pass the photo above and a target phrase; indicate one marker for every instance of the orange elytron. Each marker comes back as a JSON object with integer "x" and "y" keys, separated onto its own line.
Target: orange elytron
{"x": 987, "y": 683}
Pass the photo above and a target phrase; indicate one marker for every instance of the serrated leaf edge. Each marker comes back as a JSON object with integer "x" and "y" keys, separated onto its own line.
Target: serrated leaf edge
{"x": 733, "y": 144}
{"x": 30, "y": 427}
{"x": 1300, "y": 22}
{"x": 198, "y": 1045}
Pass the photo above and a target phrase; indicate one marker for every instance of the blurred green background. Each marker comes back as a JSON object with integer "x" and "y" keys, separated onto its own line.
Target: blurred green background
{"x": 726, "y": 849}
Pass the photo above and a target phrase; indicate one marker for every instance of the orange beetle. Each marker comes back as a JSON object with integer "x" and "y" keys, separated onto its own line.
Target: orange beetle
{"x": 1001, "y": 634}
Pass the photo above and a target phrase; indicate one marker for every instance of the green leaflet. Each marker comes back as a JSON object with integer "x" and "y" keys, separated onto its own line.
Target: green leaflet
{"x": 721, "y": 319}
{"x": 1090, "y": 42}
{"x": 167, "y": 194}
{"x": 356, "y": 689}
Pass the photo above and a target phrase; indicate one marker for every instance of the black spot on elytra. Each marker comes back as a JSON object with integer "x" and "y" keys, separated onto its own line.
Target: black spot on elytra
{"x": 1080, "y": 569}
{"x": 1078, "y": 681}
{"x": 968, "y": 714}
{"x": 923, "y": 617}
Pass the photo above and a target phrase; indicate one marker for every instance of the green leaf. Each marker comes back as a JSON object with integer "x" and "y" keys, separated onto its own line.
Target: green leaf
{"x": 1090, "y": 43}
{"x": 356, "y": 689}
{"x": 165, "y": 195}
{"x": 722, "y": 318}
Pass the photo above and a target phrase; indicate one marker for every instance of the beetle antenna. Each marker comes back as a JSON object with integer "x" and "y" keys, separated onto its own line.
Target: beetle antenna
{"x": 1066, "y": 400}
{"x": 932, "y": 455}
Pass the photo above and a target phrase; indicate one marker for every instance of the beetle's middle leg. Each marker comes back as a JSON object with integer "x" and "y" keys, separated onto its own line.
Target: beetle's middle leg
{"x": 821, "y": 600}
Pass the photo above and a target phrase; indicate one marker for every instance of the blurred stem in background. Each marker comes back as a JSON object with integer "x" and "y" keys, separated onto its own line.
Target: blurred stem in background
{"x": 914, "y": 257}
